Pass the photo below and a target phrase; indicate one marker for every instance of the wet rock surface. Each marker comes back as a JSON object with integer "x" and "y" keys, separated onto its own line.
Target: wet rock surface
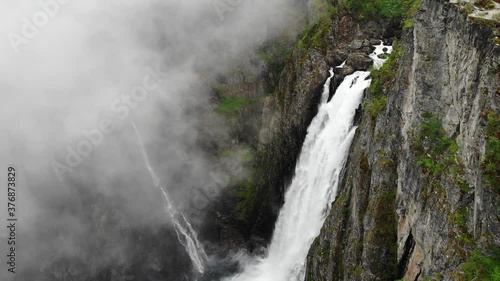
{"x": 392, "y": 219}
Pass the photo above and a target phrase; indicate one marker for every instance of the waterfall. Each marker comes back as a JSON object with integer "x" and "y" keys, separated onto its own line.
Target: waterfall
{"x": 185, "y": 233}
{"x": 314, "y": 186}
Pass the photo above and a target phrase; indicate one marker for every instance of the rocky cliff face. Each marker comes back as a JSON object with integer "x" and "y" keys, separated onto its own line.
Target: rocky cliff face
{"x": 290, "y": 109}
{"x": 415, "y": 201}
{"x": 286, "y": 117}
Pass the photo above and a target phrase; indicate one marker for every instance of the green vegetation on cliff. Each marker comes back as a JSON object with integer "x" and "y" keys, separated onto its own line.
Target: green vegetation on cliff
{"x": 385, "y": 9}
{"x": 483, "y": 267}
{"x": 437, "y": 155}
{"x": 438, "y": 158}
{"x": 316, "y": 34}
{"x": 382, "y": 81}
{"x": 275, "y": 54}
{"x": 491, "y": 162}
{"x": 231, "y": 105}
{"x": 433, "y": 150}
{"x": 246, "y": 194}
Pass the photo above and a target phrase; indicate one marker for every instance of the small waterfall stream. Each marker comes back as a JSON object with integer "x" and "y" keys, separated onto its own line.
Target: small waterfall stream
{"x": 185, "y": 233}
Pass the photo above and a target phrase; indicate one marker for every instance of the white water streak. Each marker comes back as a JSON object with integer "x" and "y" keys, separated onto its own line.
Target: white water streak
{"x": 314, "y": 186}
{"x": 185, "y": 233}
{"x": 342, "y": 65}
{"x": 379, "y": 50}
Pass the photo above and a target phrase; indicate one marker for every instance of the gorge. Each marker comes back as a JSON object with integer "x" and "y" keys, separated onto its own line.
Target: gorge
{"x": 285, "y": 140}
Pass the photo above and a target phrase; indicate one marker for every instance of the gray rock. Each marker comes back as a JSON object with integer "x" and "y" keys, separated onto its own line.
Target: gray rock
{"x": 356, "y": 44}
{"x": 337, "y": 57}
{"x": 347, "y": 70}
{"x": 359, "y": 61}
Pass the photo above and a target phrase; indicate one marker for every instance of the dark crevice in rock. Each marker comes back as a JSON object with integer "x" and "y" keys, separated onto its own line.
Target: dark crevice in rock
{"x": 407, "y": 253}
{"x": 418, "y": 275}
{"x": 357, "y": 116}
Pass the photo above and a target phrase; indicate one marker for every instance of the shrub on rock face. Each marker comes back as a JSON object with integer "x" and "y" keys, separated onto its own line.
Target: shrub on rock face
{"x": 469, "y": 8}
{"x": 483, "y": 267}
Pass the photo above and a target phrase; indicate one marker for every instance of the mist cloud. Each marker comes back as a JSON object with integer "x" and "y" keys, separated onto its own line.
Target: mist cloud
{"x": 72, "y": 75}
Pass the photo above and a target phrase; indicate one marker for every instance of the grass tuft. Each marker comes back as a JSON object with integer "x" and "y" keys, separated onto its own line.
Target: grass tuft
{"x": 232, "y": 105}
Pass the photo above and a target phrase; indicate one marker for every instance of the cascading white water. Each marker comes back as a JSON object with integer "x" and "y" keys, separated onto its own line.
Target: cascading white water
{"x": 314, "y": 186}
{"x": 185, "y": 233}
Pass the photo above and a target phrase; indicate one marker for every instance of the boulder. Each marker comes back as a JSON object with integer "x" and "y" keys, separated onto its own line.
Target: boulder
{"x": 359, "y": 61}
